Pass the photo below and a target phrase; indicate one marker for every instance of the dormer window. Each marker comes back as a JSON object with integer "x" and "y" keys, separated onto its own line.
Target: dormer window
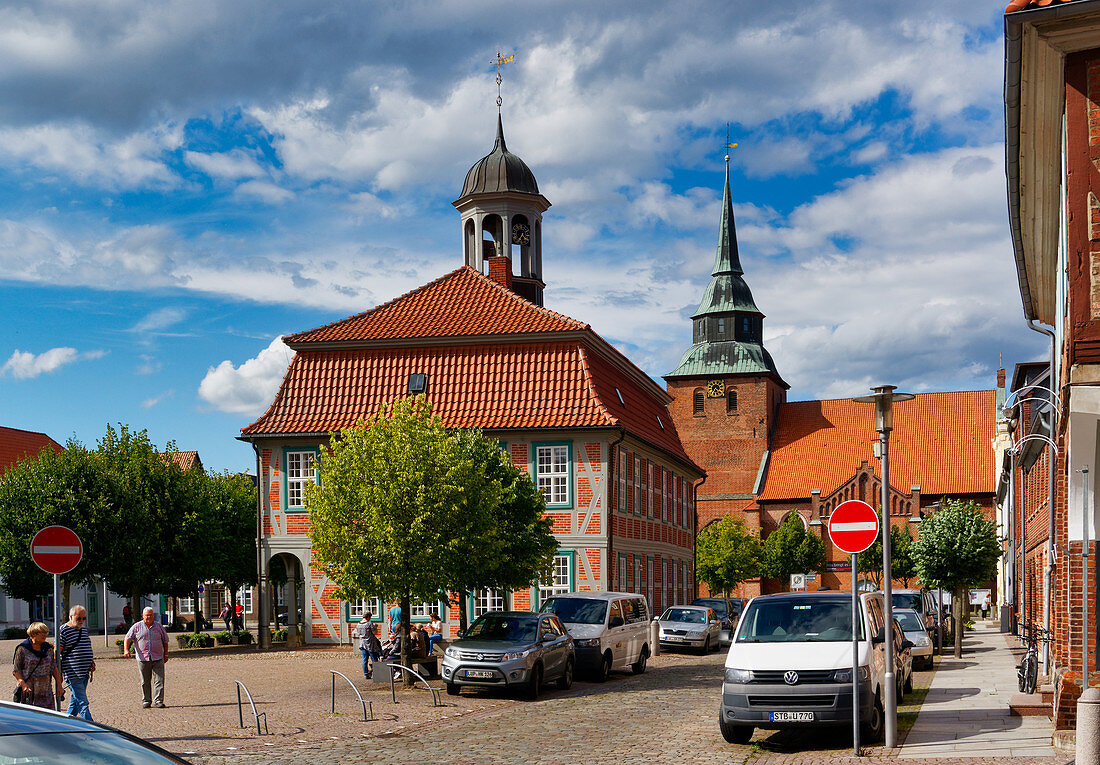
{"x": 418, "y": 383}
{"x": 721, "y": 328}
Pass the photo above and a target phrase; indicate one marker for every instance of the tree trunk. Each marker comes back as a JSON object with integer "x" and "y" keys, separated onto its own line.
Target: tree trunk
{"x": 233, "y": 606}
{"x": 463, "y": 617}
{"x": 957, "y": 610}
{"x": 406, "y": 648}
{"x": 66, "y": 587}
{"x": 198, "y": 611}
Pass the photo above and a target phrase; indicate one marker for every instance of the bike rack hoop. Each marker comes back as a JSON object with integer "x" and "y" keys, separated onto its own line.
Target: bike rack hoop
{"x": 251, "y": 703}
{"x": 362, "y": 701}
{"x": 393, "y": 688}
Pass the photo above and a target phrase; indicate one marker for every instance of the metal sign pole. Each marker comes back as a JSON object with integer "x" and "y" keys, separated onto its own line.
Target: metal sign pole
{"x": 1085, "y": 583}
{"x": 56, "y": 606}
{"x": 855, "y": 655}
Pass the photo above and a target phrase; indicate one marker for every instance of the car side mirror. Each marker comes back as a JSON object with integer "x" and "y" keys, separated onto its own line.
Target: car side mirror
{"x": 460, "y": 634}
{"x": 880, "y": 637}
{"x": 906, "y": 644}
{"x": 616, "y": 621}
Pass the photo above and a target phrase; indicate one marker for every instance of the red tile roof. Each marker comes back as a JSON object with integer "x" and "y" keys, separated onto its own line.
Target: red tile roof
{"x": 941, "y": 441}
{"x": 16, "y": 445}
{"x": 500, "y": 386}
{"x": 185, "y": 460}
{"x": 1023, "y": 5}
{"x": 461, "y": 303}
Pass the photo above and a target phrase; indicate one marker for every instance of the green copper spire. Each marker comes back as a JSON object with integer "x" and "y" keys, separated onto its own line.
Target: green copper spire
{"x": 728, "y": 327}
{"x": 727, "y": 290}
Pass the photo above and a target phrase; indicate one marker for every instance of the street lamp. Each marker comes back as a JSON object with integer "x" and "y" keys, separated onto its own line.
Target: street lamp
{"x": 883, "y": 397}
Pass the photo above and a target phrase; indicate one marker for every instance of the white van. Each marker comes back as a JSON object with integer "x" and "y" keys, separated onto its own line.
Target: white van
{"x": 790, "y": 665}
{"x": 609, "y": 629}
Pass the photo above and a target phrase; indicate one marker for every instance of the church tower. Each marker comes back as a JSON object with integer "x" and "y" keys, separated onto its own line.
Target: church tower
{"x": 726, "y": 387}
{"x": 501, "y": 210}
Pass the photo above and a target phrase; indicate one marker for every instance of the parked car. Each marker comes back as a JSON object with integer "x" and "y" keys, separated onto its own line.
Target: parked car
{"x": 915, "y": 632}
{"x": 609, "y": 629}
{"x": 903, "y": 661}
{"x": 35, "y": 735}
{"x": 510, "y": 649}
{"x": 790, "y": 664}
{"x": 689, "y": 627}
{"x": 921, "y": 601}
{"x": 728, "y": 609}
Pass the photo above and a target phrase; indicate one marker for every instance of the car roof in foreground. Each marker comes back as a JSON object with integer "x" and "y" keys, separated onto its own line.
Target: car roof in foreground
{"x": 23, "y": 720}
{"x": 831, "y": 595}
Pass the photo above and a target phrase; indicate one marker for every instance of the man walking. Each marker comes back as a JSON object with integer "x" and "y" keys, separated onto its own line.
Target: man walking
{"x": 369, "y": 644}
{"x": 77, "y": 665}
{"x": 150, "y": 642}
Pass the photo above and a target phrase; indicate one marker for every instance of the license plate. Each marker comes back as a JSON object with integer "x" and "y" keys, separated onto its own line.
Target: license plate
{"x": 479, "y": 673}
{"x": 674, "y": 640}
{"x": 792, "y": 716}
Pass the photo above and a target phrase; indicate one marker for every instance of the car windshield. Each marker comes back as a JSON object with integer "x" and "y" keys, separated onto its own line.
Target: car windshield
{"x": 718, "y": 605}
{"x": 911, "y": 600}
{"x": 909, "y": 622}
{"x": 791, "y": 619}
{"x": 93, "y": 748}
{"x": 509, "y": 627}
{"x": 687, "y": 615}
{"x": 576, "y": 610}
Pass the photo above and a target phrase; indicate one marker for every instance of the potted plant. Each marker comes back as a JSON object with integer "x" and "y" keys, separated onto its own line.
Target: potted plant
{"x": 279, "y": 635}
{"x": 199, "y": 640}
{"x": 242, "y": 637}
{"x": 184, "y": 640}
{"x": 119, "y": 644}
{"x": 223, "y": 637}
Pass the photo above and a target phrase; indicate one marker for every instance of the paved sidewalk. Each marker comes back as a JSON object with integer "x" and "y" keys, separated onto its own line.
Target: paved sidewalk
{"x": 966, "y": 711}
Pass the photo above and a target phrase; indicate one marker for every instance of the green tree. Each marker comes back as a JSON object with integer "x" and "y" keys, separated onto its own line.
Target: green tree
{"x": 405, "y": 509}
{"x": 791, "y": 549}
{"x": 901, "y": 560}
{"x": 726, "y": 554}
{"x": 956, "y": 548}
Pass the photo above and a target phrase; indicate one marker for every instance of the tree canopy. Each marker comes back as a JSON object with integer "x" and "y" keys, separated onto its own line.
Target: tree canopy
{"x": 407, "y": 510}
{"x": 726, "y": 554}
{"x": 791, "y": 549}
{"x": 901, "y": 559}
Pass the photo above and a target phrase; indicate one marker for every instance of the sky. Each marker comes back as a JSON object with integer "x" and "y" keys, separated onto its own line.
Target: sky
{"x": 182, "y": 183}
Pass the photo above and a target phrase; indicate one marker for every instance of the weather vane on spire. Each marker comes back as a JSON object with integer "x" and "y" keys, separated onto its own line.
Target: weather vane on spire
{"x": 501, "y": 59}
{"x": 728, "y": 145}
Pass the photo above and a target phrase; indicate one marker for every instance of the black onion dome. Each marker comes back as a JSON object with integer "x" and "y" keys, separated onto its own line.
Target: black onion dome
{"x": 499, "y": 170}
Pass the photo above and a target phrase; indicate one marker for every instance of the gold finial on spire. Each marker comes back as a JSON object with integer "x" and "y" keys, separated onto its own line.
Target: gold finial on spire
{"x": 501, "y": 59}
{"x": 728, "y": 145}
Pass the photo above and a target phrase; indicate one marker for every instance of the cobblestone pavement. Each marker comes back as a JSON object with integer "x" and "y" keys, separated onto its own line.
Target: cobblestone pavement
{"x": 668, "y": 714}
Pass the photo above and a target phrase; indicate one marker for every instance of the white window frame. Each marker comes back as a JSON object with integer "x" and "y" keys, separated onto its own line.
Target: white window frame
{"x": 622, "y": 573}
{"x": 488, "y": 600}
{"x": 648, "y": 489}
{"x": 639, "y": 486}
{"x": 637, "y": 573}
{"x": 649, "y": 581}
{"x": 359, "y": 606}
{"x": 298, "y": 477}
{"x": 622, "y": 479}
{"x": 666, "y": 585}
{"x": 244, "y": 596}
{"x": 561, "y": 575}
{"x": 553, "y": 479}
{"x": 185, "y": 605}
{"x": 423, "y": 611}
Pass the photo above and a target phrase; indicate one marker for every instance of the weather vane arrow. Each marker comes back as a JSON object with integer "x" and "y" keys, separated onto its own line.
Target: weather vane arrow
{"x": 500, "y": 60}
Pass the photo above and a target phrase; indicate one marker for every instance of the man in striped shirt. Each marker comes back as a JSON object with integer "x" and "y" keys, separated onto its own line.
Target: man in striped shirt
{"x": 77, "y": 664}
{"x": 150, "y": 642}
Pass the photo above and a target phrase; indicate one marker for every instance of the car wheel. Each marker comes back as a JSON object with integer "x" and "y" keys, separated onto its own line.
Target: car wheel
{"x": 534, "y": 684}
{"x": 908, "y": 687}
{"x": 565, "y": 682}
{"x": 734, "y": 734}
{"x": 604, "y": 670}
{"x": 638, "y": 667}
{"x": 706, "y": 646}
{"x": 452, "y": 689}
{"x": 871, "y": 728}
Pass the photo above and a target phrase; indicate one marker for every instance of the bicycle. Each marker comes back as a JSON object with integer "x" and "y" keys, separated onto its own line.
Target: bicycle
{"x": 1027, "y": 671}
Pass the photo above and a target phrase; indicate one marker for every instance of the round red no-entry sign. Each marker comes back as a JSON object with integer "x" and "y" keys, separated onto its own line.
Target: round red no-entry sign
{"x": 853, "y": 526}
{"x": 56, "y": 549}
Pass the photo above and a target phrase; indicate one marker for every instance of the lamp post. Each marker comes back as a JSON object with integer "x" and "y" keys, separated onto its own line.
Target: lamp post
{"x": 883, "y": 397}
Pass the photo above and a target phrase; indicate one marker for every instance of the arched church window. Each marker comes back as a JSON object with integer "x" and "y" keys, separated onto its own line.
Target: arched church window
{"x": 731, "y": 401}
{"x": 698, "y": 401}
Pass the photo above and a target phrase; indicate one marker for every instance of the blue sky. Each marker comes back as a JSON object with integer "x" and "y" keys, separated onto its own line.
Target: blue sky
{"x": 183, "y": 182}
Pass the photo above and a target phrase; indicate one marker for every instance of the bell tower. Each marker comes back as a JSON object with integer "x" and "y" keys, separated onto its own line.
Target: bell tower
{"x": 726, "y": 389}
{"x": 501, "y": 211}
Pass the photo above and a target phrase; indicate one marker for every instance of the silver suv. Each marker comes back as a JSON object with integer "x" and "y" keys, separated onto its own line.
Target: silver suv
{"x": 510, "y": 649}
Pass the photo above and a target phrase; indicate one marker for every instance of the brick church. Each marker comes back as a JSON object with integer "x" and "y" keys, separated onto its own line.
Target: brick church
{"x": 591, "y": 428}
{"x": 767, "y": 458}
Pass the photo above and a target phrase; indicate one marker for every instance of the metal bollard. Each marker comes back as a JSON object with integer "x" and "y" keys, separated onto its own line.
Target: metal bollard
{"x": 655, "y": 638}
{"x": 1088, "y": 728}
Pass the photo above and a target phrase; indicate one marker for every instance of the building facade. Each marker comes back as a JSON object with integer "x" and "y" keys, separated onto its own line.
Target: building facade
{"x": 591, "y": 429}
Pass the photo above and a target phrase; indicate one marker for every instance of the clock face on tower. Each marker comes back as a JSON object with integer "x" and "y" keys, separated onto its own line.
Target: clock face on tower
{"x": 521, "y": 234}
{"x": 716, "y": 389}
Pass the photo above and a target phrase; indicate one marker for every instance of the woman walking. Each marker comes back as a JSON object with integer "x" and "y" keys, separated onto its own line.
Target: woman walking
{"x": 34, "y": 666}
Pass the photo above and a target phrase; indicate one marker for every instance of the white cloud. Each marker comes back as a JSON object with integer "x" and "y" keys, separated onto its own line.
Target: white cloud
{"x": 162, "y": 318}
{"x": 247, "y": 389}
{"x": 229, "y": 165}
{"x": 24, "y": 365}
{"x": 149, "y": 403}
{"x": 265, "y": 191}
